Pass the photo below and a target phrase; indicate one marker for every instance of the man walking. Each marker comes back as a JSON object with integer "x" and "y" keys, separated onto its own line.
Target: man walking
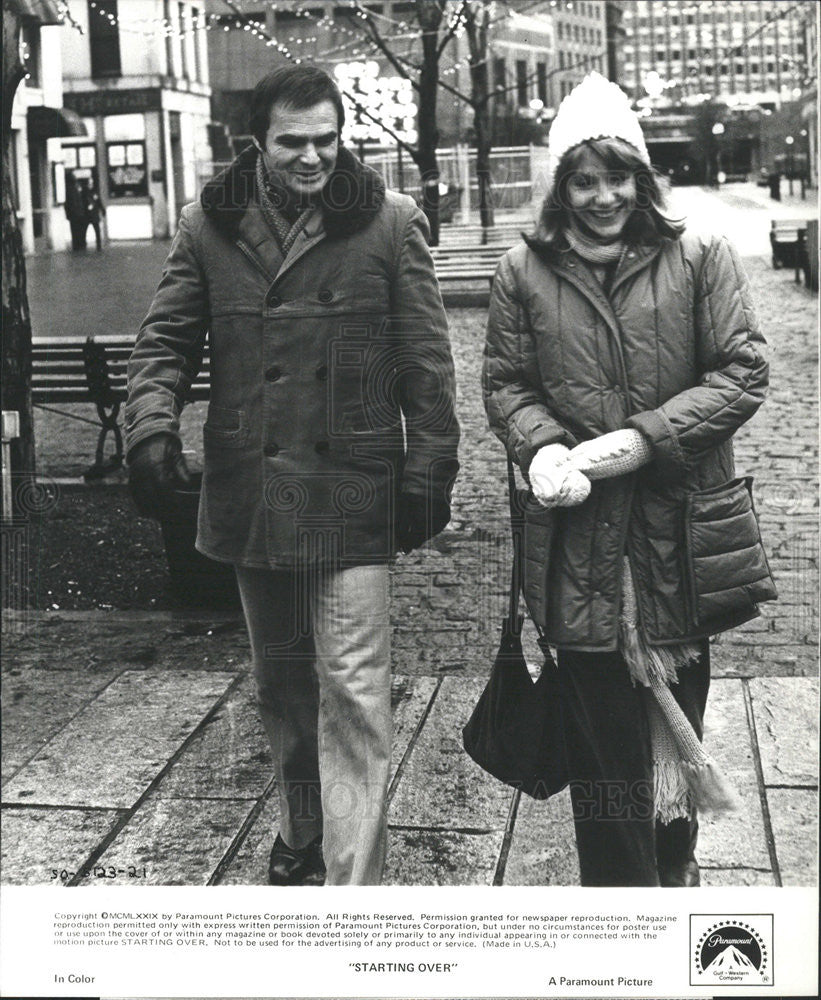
{"x": 330, "y": 443}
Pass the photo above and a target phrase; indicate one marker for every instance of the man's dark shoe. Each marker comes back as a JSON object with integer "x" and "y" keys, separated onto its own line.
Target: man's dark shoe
{"x": 291, "y": 866}
{"x": 683, "y": 876}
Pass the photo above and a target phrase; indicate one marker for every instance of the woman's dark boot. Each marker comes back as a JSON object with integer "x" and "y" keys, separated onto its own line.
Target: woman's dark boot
{"x": 675, "y": 853}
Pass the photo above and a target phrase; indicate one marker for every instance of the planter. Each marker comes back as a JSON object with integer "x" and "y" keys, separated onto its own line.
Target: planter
{"x": 196, "y": 581}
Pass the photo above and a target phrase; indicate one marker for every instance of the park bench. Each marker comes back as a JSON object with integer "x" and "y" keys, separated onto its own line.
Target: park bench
{"x": 470, "y": 262}
{"x": 473, "y": 235}
{"x": 787, "y": 239}
{"x": 67, "y": 371}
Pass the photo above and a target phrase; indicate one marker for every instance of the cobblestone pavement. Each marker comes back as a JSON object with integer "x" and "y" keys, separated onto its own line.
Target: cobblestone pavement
{"x": 158, "y": 761}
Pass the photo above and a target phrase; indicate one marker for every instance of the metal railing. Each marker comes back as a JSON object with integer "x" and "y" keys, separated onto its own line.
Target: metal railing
{"x": 511, "y": 173}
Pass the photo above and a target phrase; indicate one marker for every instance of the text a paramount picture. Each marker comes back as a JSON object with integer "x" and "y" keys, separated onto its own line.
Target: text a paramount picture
{"x": 410, "y": 505}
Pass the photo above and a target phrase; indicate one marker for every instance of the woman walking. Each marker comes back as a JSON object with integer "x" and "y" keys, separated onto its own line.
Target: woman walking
{"x": 622, "y": 355}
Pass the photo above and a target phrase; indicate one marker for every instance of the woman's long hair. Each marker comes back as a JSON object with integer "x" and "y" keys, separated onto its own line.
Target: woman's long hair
{"x": 648, "y": 222}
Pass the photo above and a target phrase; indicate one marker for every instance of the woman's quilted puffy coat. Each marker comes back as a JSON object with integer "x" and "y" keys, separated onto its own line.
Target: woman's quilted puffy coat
{"x": 675, "y": 351}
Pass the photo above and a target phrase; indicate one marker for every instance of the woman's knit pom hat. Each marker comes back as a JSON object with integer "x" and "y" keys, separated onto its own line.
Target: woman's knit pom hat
{"x": 596, "y": 109}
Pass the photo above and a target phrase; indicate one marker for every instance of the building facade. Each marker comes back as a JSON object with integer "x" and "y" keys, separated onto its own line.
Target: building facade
{"x": 743, "y": 51}
{"x": 136, "y": 72}
{"x": 38, "y": 120}
{"x": 581, "y": 42}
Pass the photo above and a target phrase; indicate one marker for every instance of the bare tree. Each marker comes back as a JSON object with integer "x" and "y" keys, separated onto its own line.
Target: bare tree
{"x": 477, "y": 20}
{"x": 424, "y": 78}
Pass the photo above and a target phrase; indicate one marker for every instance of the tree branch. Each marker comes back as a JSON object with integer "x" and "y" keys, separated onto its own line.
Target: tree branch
{"x": 377, "y": 39}
{"x": 457, "y": 19}
{"x": 411, "y": 150}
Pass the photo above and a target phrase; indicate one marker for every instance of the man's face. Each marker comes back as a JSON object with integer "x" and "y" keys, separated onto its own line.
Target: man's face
{"x": 301, "y": 146}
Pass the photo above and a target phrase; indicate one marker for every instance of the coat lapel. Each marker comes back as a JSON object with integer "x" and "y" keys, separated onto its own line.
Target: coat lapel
{"x": 574, "y": 270}
{"x": 634, "y": 260}
{"x": 313, "y": 232}
{"x": 254, "y": 234}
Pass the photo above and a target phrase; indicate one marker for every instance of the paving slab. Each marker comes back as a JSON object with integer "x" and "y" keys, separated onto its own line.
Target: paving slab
{"x": 732, "y": 839}
{"x": 37, "y": 841}
{"x": 794, "y": 814}
{"x": 441, "y": 787}
{"x": 410, "y": 697}
{"x": 38, "y": 703}
{"x": 250, "y": 864}
{"x": 727, "y": 878}
{"x": 786, "y": 720}
{"x": 543, "y": 846}
{"x": 176, "y": 841}
{"x": 109, "y": 753}
{"x": 441, "y": 857}
{"x": 228, "y": 758}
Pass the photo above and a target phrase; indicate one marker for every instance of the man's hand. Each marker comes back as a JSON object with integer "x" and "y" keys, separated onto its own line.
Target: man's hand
{"x": 418, "y": 519}
{"x": 554, "y": 480}
{"x": 156, "y": 468}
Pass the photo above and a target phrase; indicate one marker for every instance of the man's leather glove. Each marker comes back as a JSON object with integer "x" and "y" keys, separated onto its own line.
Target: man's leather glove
{"x": 156, "y": 468}
{"x": 418, "y": 518}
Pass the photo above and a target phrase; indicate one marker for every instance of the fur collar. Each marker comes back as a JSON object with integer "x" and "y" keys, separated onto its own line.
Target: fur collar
{"x": 350, "y": 200}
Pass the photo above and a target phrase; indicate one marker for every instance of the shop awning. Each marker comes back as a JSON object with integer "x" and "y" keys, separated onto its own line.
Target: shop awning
{"x": 41, "y": 11}
{"x": 51, "y": 123}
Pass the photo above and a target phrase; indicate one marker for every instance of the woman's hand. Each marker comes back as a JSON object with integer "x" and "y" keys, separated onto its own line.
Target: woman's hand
{"x": 554, "y": 481}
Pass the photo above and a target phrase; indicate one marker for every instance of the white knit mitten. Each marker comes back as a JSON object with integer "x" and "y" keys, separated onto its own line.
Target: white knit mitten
{"x": 554, "y": 481}
{"x": 613, "y": 454}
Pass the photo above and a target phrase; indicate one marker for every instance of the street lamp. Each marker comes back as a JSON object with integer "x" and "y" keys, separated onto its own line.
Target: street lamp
{"x": 718, "y": 132}
{"x": 805, "y": 169}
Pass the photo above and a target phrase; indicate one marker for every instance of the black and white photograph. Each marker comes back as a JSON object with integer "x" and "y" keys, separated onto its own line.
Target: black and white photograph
{"x": 410, "y": 480}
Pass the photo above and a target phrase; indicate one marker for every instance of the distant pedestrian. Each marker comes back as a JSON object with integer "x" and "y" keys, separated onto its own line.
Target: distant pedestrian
{"x": 75, "y": 209}
{"x": 622, "y": 355}
{"x": 94, "y": 209}
{"x": 83, "y": 208}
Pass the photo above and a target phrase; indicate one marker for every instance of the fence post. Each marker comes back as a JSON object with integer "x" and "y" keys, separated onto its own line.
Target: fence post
{"x": 463, "y": 161}
{"x": 538, "y": 177}
{"x": 11, "y": 430}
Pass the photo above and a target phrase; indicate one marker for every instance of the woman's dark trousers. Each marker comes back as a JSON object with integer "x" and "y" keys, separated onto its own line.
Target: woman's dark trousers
{"x": 611, "y": 787}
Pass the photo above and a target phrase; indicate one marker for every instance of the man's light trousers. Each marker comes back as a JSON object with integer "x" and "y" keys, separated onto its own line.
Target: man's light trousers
{"x": 321, "y": 647}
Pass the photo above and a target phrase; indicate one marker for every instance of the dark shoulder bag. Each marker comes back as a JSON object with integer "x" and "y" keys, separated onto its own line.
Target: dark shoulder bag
{"x": 515, "y": 731}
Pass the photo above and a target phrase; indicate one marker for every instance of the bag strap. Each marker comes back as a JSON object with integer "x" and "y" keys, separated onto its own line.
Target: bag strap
{"x": 514, "y": 619}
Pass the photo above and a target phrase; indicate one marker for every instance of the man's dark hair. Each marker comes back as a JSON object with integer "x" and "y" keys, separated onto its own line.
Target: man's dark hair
{"x": 295, "y": 86}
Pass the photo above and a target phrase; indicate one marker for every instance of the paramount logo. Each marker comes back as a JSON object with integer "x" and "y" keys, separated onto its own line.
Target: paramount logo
{"x": 731, "y": 950}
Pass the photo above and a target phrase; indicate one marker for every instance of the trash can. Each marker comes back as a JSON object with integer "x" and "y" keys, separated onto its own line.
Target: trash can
{"x": 195, "y": 580}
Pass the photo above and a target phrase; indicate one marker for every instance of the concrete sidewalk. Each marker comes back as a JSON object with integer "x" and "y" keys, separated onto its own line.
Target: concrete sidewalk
{"x": 158, "y": 774}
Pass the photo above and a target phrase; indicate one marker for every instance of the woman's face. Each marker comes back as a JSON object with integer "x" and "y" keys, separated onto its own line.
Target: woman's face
{"x": 600, "y": 199}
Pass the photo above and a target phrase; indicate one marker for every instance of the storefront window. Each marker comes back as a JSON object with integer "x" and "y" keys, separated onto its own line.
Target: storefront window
{"x": 127, "y": 173}
{"x": 79, "y": 156}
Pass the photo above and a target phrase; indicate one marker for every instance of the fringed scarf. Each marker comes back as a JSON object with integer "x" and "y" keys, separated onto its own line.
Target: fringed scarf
{"x": 285, "y": 231}
{"x": 685, "y": 778}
